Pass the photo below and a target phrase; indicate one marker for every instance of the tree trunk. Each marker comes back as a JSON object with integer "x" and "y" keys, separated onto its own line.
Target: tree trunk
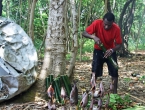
{"x": 54, "y": 58}
{"x": 126, "y": 25}
{"x": 75, "y": 37}
{"x": 28, "y": 17}
{"x": 81, "y": 37}
{"x": 106, "y": 10}
{"x": 1, "y": 5}
{"x": 31, "y": 26}
{"x": 113, "y": 5}
{"x": 107, "y": 6}
{"x": 8, "y": 8}
{"x": 20, "y": 13}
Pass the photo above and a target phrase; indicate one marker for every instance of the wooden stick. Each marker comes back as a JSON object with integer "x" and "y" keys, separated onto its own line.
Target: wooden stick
{"x": 135, "y": 97}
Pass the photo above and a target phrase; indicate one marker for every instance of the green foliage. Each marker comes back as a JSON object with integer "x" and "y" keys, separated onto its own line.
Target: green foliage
{"x": 142, "y": 79}
{"x": 127, "y": 79}
{"x": 37, "y": 44}
{"x": 115, "y": 98}
{"x": 18, "y": 11}
{"x": 132, "y": 45}
{"x": 84, "y": 58}
{"x": 88, "y": 46}
{"x": 68, "y": 56}
{"x": 117, "y": 102}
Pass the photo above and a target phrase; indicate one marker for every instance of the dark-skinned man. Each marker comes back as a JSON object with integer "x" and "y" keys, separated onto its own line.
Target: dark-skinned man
{"x": 105, "y": 31}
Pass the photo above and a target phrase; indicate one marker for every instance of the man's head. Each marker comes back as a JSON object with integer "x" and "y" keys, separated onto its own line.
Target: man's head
{"x": 108, "y": 20}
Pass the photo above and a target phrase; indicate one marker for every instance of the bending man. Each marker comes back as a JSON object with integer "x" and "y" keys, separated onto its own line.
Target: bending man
{"x": 108, "y": 33}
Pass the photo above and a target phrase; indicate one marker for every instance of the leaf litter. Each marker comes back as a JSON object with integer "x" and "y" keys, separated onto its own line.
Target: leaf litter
{"x": 131, "y": 82}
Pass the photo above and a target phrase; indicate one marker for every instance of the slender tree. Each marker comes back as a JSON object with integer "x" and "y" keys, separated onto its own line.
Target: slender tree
{"x": 75, "y": 37}
{"x": 31, "y": 25}
{"x": 1, "y": 5}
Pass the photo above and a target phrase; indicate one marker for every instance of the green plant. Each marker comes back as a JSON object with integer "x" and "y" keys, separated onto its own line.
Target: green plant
{"x": 68, "y": 56}
{"x": 127, "y": 79}
{"x": 142, "y": 79}
{"x": 118, "y": 103}
{"x": 88, "y": 47}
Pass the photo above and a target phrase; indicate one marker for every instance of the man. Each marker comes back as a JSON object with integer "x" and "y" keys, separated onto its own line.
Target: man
{"x": 108, "y": 33}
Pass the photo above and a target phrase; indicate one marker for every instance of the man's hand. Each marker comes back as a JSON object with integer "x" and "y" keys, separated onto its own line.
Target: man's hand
{"x": 108, "y": 53}
{"x": 96, "y": 39}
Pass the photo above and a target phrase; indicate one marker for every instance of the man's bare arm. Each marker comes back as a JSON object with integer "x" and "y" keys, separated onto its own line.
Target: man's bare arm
{"x": 95, "y": 38}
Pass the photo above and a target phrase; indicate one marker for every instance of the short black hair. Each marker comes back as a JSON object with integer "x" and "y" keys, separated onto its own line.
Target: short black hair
{"x": 109, "y": 16}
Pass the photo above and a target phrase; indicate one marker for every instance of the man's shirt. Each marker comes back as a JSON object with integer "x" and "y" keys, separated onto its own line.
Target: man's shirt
{"x": 108, "y": 37}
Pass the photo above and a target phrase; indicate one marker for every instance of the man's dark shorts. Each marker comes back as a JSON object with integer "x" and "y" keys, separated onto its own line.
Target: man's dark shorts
{"x": 98, "y": 61}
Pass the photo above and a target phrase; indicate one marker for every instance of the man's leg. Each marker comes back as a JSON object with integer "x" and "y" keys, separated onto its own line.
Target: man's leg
{"x": 113, "y": 72}
{"x": 97, "y": 64}
{"x": 115, "y": 83}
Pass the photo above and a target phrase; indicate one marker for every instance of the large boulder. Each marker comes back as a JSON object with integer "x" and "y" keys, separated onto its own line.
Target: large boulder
{"x": 18, "y": 59}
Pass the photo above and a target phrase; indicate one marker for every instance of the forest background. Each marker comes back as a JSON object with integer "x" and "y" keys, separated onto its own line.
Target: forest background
{"x": 32, "y": 16}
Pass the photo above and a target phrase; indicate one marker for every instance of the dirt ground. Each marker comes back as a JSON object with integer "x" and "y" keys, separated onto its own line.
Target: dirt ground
{"x": 131, "y": 81}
